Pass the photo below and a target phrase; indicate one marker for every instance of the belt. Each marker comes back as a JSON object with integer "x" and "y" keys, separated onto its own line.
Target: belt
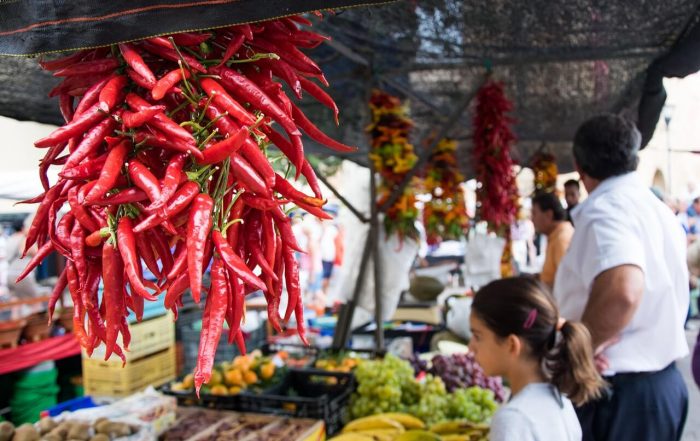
{"x": 633, "y": 375}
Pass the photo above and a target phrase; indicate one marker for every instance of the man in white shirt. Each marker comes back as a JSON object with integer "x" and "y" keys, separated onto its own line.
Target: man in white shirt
{"x": 625, "y": 277}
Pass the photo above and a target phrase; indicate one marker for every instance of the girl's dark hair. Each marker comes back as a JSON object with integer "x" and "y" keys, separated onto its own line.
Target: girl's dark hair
{"x": 506, "y": 307}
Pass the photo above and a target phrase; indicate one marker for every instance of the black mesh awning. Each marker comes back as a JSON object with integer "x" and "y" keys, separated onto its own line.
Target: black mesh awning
{"x": 561, "y": 61}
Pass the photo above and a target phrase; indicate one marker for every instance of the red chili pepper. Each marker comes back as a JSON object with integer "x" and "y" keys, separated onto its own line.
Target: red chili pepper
{"x": 170, "y": 182}
{"x": 161, "y": 121}
{"x": 289, "y": 151}
{"x": 77, "y": 241}
{"x": 273, "y": 309}
{"x": 91, "y": 142}
{"x": 59, "y": 63}
{"x": 62, "y": 233}
{"x": 316, "y": 134}
{"x": 132, "y": 263}
{"x": 198, "y": 227}
{"x": 232, "y": 47}
{"x": 137, "y": 119}
{"x": 236, "y": 213}
{"x": 134, "y": 60}
{"x": 299, "y": 316}
{"x": 95, "y": 238}
{"x": 159, "y": 140}
{"x": 253, "y": 245}
{"x": 320, "y": 95}
{"x": 110, "y": 172}
{"x": 190, "y": 39}
{"x": 179, "y": 202}
{"x": 297, "y": 59}
{"x": 142, "y": 177}
{"x": 65, "y": 104}
{"x": 109, "y": 95}
{"x": 248, "y": 177}
{"x": 223, "y": 149}
{"x": 46, "y": 162}
{"x": 167, "y": 82}
{"x": 291, "y": 272}
{"x": 255, "y": 157}
{"x": 172, "y": 55}
{"x": 43, "y": 252}
{"x": 137, "y": 305}
{"x": 57, "y": 293}
{"x": 88, "y": 67}
{"x": 163, "y": 42}
{"x": 288, "y": 191}
{"x": 179, "y": 262}
{"x": 160, "y": 243}
{"x": 222, "y": 98}
{"x": 139, "y": 80}
{"x": 87, "y": 170}
{"x": 112, "y": 276}
{"x": 37, "y": 230}
{"x": 234, "y": 263}
{"x": 76, "y": 127}
{"x": 127, "y": 196}
{"x": 92, "y": 94}
{"x": 176, "y": 289}
{"x": 285, "y": 229}
{"x": 78, "y": 308}
{"x": 145, "y": 250}
{"x": 216, "y": 306}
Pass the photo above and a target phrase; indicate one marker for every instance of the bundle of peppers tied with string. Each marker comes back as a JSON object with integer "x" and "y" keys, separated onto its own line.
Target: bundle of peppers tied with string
{"x": 445, "y": 214}
{"x": 165, "y": 163}
{"x": 393, "y": 156}
{"x": 497, "y": 192}
{"x": 544, "y": 167}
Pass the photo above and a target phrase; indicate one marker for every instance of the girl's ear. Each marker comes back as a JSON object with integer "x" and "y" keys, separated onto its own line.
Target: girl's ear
{"x": 514, "y": 345}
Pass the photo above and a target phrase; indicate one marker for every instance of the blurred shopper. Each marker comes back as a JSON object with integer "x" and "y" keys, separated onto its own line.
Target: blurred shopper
{"x": 549, "y": 218}
{"x": 572, "y": 195}
{"x": 625, "y": 277}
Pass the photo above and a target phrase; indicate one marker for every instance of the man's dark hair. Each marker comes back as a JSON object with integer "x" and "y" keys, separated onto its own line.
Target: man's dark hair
{"x": 606, "y": 146}
{"x": 549, "y": 201}
{"x": 572, "y": 183}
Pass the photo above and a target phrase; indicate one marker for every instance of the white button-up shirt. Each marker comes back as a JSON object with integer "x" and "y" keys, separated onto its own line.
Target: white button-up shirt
{"x": 623, "y": 223}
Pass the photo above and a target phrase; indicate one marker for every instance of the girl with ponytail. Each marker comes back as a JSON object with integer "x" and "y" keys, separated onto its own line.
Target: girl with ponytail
{"x": 548, "y": 362}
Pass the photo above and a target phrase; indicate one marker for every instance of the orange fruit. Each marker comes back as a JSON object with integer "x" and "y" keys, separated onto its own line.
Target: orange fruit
{"x": 250, "y": 378}
{"x": 267, "y": 371}
{"x": 234, "y": 377}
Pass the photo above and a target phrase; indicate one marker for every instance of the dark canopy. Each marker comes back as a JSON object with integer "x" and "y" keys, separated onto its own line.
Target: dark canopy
{"x": 561, "y": 61}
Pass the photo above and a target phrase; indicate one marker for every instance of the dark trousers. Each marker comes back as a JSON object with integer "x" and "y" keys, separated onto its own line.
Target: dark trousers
{"x": 639, "y": 407}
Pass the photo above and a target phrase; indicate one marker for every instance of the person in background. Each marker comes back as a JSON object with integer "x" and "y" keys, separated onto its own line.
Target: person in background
{"x": 550, "y": 219}
{"x": 572, "y": 195}
{"x": 328, "y": 247}
{"x": 548, "y": 362}
{"x": 694, "y": 270}
{"x": 625, "y": 277}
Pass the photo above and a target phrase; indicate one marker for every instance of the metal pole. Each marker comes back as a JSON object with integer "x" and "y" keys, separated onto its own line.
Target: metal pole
{"x": 374, "y": 235}
{"x": 340, "y": 197}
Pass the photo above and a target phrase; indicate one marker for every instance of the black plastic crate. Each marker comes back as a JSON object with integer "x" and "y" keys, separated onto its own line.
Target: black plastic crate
{"x": 421, "y": 338}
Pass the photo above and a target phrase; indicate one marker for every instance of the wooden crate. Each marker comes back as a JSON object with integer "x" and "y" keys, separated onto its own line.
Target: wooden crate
{"x": 109, "y": 378}
{"x": 148, "y": 337}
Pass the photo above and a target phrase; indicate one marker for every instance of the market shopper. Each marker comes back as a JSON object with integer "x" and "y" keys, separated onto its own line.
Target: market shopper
{"x": 548, "y": 362}
{"x": 625, "y": 278}
{"x": 572, "y": 196}
{"x": 549, "y": 218}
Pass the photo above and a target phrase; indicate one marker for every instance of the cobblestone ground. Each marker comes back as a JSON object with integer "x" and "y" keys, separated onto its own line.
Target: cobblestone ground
{"x": 692, "y": 426}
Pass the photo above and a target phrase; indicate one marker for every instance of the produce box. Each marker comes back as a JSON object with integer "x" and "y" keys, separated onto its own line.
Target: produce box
{"x": 109, "y": 378}
{"x": 148, "y": 337}
{"x": 195, "y": 424}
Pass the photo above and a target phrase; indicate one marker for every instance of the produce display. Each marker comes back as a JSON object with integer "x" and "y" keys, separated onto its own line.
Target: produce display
{"x": 544, "y": 167}
{"x": 164, "y": 162}
{"x": 48, "y": 429}
{"x": 460, "y": 371}
{"x": 404, "y": 427}
{"x": 252, "y": 372}
{"x": 389, "y": 385}
{"x": 339, "y": 362}
{"x": 445, "y": 214}
{"x": 393, "y": 155}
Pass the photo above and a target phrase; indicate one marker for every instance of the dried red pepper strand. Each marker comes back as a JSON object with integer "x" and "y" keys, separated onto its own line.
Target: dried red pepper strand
{"x": 160, "y": 121}
{"x": 176, "y": 289}
{"x": 179, "y": 262}
{"x": 142, "y": 177}
{"x": 198, "y": 227}
{"x": 109, "y": 95}
{"x": 289, "y": 151}
{"x": 137, "y": 119}
{"x": 57, "y": 293}
{"x": 203, "y": 336}
{"x": 134, "y": 60}
{"x": 64, "y": 61}
{"x": 137, "y": 302}
{"x": 160, "y": 243}
{"x": 65, "y": 104}
{"x": 78, "y": 308}
{"x": 139, "y": 80}
{"x": 232, "y": 47}
{"x": 299, "y": 62}
{"x": 225, "y": 148}
{"x": 86, "y": 170}
{"x": 77, "y": 242}
{"x": 221, "y": 97}
{"x": 253, "y": 245}
{"x": 285, "y": 229}
{"x": 237, "y": 305}
{"x": 291, "y": 273}
{"x": 93, "y": 67}
{"x": 315, "y": 211}
{"x": 248, "y": 177}
{"x": 166, "y": 82}
{"x": 179, "y": 202}
{"x": 91, "y": 142}
{"x": 110, "y": 172}
{"x": 46, "y": 162}
{"x": 256, "y": 158}
{"x": 170, "y": 182}
{"x": 92, "y": 95}
{"x": 159, "y": 140}
{"x": 288, "y": 191}
{"x": 172, "y": 55}
{"x": 316, "y": 134}
{"x": 76, "y": 127}
{"x": 112, "y": 275}
{"x": 191, "y": 39}
{"x": 38, "y": 227}
{"x": 63, "y": 229}
{"x": 145, "y": 250}
{"x": 236, "y": 213}
{"x": 299, "y": 316}
{"x": 75, "y": 86}
{"x": 132, "y": 263}
{"x": 216, "y": 303}
{"x": 43, "y": 252}
{"x": 274, "y": 308}
{"x": 320, "y": 95}
{"x": 127, "y": 196}
{"x": 234, "y": 263}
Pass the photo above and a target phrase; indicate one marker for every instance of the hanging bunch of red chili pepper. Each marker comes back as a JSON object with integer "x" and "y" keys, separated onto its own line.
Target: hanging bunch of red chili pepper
{"x": 164, "y": 164}
{"x": 544, "y": 167}
{"x": 497, "y": 193}
{"x": 393, "y": 156}
{"x": 445, "y": 214}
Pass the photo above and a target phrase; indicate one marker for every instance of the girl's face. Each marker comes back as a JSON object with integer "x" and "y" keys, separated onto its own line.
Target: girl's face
{"x": 490, "y": 351}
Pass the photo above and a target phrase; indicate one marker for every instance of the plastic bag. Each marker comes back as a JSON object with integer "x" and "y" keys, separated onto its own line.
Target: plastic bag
{"x": 483, "y": 258}
{"x": 457, "y": 317}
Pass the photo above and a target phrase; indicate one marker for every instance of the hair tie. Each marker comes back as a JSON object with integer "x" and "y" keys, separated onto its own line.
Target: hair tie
{"x": 530, "y": 320}
{"x": 560, "y": 323}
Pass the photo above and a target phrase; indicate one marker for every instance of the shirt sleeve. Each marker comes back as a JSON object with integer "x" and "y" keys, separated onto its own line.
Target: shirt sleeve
{"x": 511, "y": 425}
{"x": 612, "y": 240}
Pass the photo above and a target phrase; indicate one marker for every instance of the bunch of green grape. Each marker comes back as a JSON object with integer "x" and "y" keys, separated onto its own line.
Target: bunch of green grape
{"x": 380, "y": 385}
{"x": 433, "y": 404}
{"x": 474, "y": 404}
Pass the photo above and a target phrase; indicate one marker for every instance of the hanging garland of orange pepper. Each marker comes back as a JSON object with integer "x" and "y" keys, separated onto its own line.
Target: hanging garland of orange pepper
{"x": 497, "y": 193}
{"x": 544, "y": 167}
{"x": 445, "y": 214}
{"x": 393, "y": 156}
